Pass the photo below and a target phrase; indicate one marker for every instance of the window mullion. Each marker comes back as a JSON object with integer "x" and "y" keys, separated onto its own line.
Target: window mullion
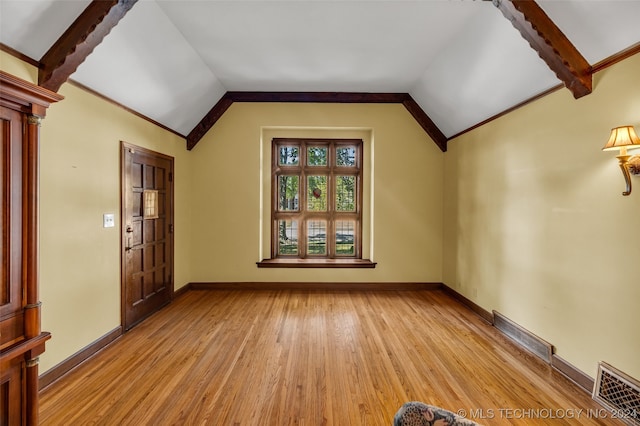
{"x": 331, "y": 203}
{"x": 303, "y": 202}
{"x": 302, "y": 232}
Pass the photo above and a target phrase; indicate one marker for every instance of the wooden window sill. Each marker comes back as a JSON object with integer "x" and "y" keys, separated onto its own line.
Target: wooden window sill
{"x": 316, "y": 263}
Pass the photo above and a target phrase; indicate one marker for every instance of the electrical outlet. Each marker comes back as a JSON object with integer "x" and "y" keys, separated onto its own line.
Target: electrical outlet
{"x": 108, "y": 220}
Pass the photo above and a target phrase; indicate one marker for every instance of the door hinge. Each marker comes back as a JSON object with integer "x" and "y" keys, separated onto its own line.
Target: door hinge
{"x": 171, "y": 228}
{"x": 170, "y": 177}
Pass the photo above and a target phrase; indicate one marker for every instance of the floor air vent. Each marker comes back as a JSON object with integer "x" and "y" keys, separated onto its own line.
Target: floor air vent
{"x": 618, "y": 392}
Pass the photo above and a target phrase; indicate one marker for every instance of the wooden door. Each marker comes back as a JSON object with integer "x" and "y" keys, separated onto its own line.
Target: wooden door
{"x": 147, "y": 232}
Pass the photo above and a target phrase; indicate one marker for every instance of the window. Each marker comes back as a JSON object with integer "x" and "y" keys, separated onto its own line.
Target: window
{"x": 317, "y": 199}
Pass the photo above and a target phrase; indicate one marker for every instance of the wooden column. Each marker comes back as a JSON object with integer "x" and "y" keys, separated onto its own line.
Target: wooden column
{"x": 30, "y": 260}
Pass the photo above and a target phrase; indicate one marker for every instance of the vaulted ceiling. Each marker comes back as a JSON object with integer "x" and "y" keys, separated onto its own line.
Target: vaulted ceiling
{"x": 453, "y": 64}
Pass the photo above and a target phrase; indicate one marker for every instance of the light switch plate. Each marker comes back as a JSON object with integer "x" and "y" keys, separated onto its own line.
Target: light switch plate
{"x": 108, "y": 220}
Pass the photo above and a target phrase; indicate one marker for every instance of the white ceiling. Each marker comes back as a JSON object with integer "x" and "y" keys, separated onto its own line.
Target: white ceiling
{"x": 462, "y": 61}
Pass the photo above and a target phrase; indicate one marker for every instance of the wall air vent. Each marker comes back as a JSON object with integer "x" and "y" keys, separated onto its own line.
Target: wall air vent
{"x": 619, "y": 393}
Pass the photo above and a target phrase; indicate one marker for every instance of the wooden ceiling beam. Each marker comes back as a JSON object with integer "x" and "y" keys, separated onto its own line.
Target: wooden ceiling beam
{"x": 208, "y": 121}
{"x": 426, "y": 123}
{"x": 319, "y": 97}
{"x": 544, "y": 36}
{"x": 79, "y": 40}
{"x": 229, "y": 98}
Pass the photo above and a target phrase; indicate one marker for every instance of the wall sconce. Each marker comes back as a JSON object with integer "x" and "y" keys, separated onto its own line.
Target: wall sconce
{"x": 623, "y": 138}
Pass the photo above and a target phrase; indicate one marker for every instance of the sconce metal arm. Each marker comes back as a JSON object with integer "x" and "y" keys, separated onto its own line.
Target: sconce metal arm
{"x": 624, "y": 166}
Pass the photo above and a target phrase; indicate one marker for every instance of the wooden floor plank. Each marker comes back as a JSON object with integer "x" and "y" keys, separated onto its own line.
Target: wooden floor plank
{"x": 303, "y": 357}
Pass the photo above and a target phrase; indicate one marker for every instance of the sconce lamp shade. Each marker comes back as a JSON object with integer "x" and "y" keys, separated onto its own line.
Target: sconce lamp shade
{"x": 621, "y": 138}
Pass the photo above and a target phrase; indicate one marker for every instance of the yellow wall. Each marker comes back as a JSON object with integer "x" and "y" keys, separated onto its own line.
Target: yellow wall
{"x": 536, "y": 226}
{"x": 18, "y": 68}
{"x": 79, "y": 181}
{"x": 533, "y": 224}
{"x": 404, "y": 189}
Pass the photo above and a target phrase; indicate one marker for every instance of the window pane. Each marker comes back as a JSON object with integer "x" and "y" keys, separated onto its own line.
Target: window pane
{"x": 316, "y": 237}
{"x": 289, "y": 156}
{"x": 317, "y": 156}
{"x": 317, "y": 193}
{"x": 345, "y": 237}
{"x": 288, "y": 237}
{"x": 346, "y": 156}
{"x": 288, "y": 193}
{"x": 150, "y": 201}
{"x": 346, "y": 193}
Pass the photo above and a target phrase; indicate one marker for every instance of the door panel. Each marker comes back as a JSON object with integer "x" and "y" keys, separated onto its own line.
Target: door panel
{"x": 147, "y": 236}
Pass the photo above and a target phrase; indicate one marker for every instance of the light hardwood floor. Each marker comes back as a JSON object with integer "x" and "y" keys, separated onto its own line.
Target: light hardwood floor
{"x": 312, "y": 358}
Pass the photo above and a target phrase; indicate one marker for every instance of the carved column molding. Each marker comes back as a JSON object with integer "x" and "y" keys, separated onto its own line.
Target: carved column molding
{"x": 34, "y": 120}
